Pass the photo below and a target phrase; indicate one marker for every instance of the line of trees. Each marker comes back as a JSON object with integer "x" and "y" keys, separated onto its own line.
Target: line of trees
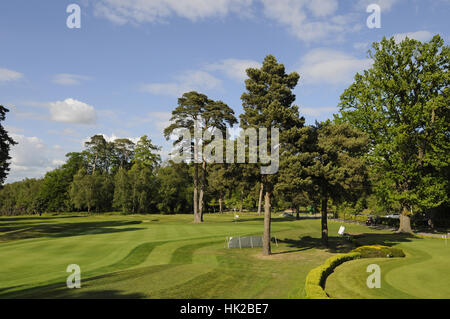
{"x": 387, "y": 148}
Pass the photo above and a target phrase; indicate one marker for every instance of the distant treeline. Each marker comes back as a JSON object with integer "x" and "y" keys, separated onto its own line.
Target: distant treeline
{"x": 106, "y": 176}
{"x": 126, "y": 177}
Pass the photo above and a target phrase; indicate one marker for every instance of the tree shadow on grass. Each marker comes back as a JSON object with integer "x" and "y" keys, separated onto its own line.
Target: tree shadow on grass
{"x": 345, "y": 244}
{"x": 91, "y": 287}
{"x": 104, "y": 294}
{"x": 335, "y": 244}
{"x": 381, "y": 239}
{"x": 76, "y": 293}
{"x": 66, "y": 229}
{"x": 273, "y": 220}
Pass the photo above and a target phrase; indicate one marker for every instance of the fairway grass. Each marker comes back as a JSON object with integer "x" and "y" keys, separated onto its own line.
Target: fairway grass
{"x": 167, "y": 256}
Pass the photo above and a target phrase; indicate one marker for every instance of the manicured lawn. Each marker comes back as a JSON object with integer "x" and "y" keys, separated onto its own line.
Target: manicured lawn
{"x": 158, "y": 256}
{"x": 423, "y": 273}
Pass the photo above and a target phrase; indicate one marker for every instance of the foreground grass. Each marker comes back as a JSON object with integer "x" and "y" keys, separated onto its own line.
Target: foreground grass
{"x": 157, "y": 256}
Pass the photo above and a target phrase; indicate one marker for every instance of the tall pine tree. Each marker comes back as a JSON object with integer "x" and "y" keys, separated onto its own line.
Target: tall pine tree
{"x": 268, "y": 103}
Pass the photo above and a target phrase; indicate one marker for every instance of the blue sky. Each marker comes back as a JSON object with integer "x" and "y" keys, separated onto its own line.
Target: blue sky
{"x": 121, "y": 73}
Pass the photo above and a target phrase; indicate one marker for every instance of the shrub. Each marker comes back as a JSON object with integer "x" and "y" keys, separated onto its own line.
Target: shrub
{"x": 315, "y": 280}
{"x": 378, "y": 251}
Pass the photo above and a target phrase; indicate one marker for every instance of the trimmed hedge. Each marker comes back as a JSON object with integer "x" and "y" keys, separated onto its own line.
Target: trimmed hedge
{"x": 315, "y": 280}
{"x": 379, "y": 251}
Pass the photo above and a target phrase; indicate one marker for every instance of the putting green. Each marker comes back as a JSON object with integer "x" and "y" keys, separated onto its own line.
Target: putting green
{"x": 423, "y": 273}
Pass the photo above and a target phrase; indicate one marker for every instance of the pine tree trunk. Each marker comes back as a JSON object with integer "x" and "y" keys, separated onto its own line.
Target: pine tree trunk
{"x": 220, "y": 203}
{"x": 324, "y": 221}
{"x": 242, "y": 201}
{"x": 297, "y": 213}
{"x": 261, "y": 189}
{"x": 405, "y": 222}
{"x": 95, "y": 163}
{"x": 266, "y": 239}
{"x": 196, "y": 214}
{"x": 202, "y": 191}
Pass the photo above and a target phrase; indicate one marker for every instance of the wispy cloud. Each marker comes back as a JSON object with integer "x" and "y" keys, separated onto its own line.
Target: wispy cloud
{"x": 310, "y": 20}
{"x": 70, "y": 79}
{"x": 418, "y": 35}
{"x": 317, "y": 111}
{"x": 187, "y": 81}
{"x": 7, "y": 75}
{"x": 385, "y": 5}
{"x": 234, "y": 68}
{"x": 142, "y": 11}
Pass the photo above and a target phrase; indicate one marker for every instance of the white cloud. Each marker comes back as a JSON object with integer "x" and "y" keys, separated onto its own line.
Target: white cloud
{"x": 30, "y": 158}
{"x": 7, "y": 75}
{"x": 317, "y": 111}
{"x": 422, "y": 36}
{"x": 72, "y": 111}
{"x": 324, "y": 66}
{"x": 187, "y": 81}
{"x": 234, "y": 68}
{"x": 113, "y": 137}
{"x": 309, "y": 20}
{"x": 110, "y": 138}
{"x": 69, "y": 79}
{"x": 142, "y": 11}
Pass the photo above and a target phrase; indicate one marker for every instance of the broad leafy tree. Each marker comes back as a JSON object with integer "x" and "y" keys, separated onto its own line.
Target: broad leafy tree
{"x": 402, "y": 103}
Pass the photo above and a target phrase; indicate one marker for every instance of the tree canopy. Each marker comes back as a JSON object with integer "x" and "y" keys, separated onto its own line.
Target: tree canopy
{"x": 402, "y": 104}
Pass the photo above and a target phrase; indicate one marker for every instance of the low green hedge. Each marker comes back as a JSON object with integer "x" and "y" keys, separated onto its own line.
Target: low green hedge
{"x": 379, "y": 251}
{"x": 315, "y": 280}
{"x": 352, "y": 217}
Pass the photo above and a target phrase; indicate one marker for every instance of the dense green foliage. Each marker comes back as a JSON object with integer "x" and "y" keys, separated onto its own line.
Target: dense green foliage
{"x": 403, "y": 104}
